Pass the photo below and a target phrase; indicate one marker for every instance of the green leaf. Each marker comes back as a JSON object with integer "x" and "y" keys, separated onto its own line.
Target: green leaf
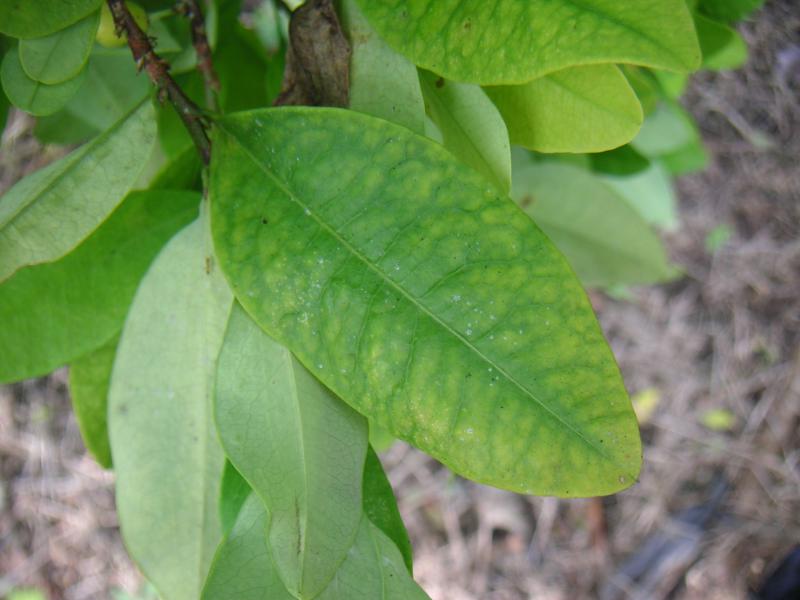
{"x": 723, "y": 48}
{"x": 421, "y": 297}
{"x": 690, "y": 158}
{"x": 47, "y": 214}
{"x": 50, "y": 320}
{"x": 605, "y": 240}
{"x": 650, "y": 193}
{"x": 380, "y": 507}
{"x": 167, "y": 457}
{"x": 111, "y": 88}
{"x": 729, "y": 10}
{"x": 300, "y": 448}
{"x": 624, "y": 160}
{"x": 61, "y": 55}
{"x": 666, "y": 130}
{"x": 89, "y": 378}
{"x": 383, "y": 83}
{"x": 512, "y": 42}
{"x": 645, "y": 85}
{"x": 243, "y": 567}
{"x": 33, "y": 96}
{"x": 234, "y": 491}
{"x": 472, "y": 128}
{"x": 32, "y": 19}
{"x": 580, "y": 109}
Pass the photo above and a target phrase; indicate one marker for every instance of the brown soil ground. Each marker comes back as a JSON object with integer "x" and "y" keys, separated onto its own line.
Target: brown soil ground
{"x": 727, "y": 336}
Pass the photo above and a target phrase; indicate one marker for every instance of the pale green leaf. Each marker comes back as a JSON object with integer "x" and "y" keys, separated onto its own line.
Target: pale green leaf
{"x": 167, "y": 457}
{"x": 723, "y": 48}
{"x": 300, "y": 448}
{"x": 60, "y": 55}
{"x": 37, "y": 18}
{"x": 514, "y": 41}
{"x": 666, "y": 130}
{"x": 110, "y": 89}
{"x": 33, "y": 96}
{"x": 580, "y": 109}
{"x": 244, "y": 568}
{"x": 381, "y": 509}
{"x": 383, "y": 83}
{"x": 49, "y": 213}
{"x": 650, "y": 193}
{"x": 421, "y": 297}
{"x": 56, "y": 312}
{"x": 472, "y": 128}
{"x": 89, "y": 378}
{"x": 604, "y": 239}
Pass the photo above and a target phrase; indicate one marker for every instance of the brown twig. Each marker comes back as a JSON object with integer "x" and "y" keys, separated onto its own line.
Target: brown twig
{"x": 191, "y": 10}
{"x": 158, "y": 71}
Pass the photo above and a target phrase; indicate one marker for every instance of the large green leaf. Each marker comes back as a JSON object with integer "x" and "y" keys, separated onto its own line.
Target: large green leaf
{"x": 60, "y": 55}
{"x": 244, "y": 568}
{"x": 110, "y": 89}
{"x": 300, "y": 448}
{"x": 167, "y": 457}
{"x": 471, "y": 127}
{"x": 49, "y": 213}
{"x": 381, "y": 509}
{"x": 33, "y": 96}
{"x": 89, "y": 378}
{"x": 37, "y": 18}
{"x": 605, "y": 240}
{"x": 422, "y": 297}
{"x": 580, "y": 109}
{"x": 514, "y": 41}
{"x": 383, "y": 83}
{"x": 55, "y": 313}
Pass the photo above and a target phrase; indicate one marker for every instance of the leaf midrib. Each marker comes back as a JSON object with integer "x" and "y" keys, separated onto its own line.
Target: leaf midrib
{"x": 419, "y": 306}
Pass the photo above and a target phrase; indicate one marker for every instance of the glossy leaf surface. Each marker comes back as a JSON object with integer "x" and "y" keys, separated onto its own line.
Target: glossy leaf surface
{"x": 513, "y": 41}
{"x": 33, "y": 96}
{"x": 244, "y": 568}
{"x": 50, "y": 212}
{"x": 605, "y": 240}
{"x": 422, "y": 297}
{"x": 472, "y": 128}
{"x": 580, "y": 109}
{"x": 89, "y": 378}
{"x": 383, "y": 83}
{"x": 167, "y": 457}
{"x": 300, "y": 448}
{"x": 56, "y": 312}
{"x": 60, "y": 55}
{"x": 37, "y": 18}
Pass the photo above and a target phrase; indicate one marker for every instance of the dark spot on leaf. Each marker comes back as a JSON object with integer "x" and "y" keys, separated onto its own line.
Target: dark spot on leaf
{"x": 467, "y": 24}
{"x": 264, "y": 221}
{"x": 123, "y": 409}
{"x": 440, "y": 82}
{"x": 526, "y": 201}
{"x": 209, "y": 265}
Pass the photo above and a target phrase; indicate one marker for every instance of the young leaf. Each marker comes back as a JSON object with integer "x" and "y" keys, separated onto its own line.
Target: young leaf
{"x": 511, "y": 42}
{"x": 33, "y": 96}
{"x": 380, "y": 507}
{"x": 167, "y": 457}
{"x": 32, "y": 19}
{"x": 55, "y": 313}
{"x": 383, "y": 83}
{"x": 49, "y": 213}
{"x": 89, "y": 377}
{"x": 300, "y": 448}
{"x": 234, "y": 490}
{"x": 471, "y": 127}
{"x": 61, "y": 55}
{"x": 605, "y": 240}
{"x": 244, "y": 569}
{"x": 580, "y": 109}
{"x": 421, "y": 297}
